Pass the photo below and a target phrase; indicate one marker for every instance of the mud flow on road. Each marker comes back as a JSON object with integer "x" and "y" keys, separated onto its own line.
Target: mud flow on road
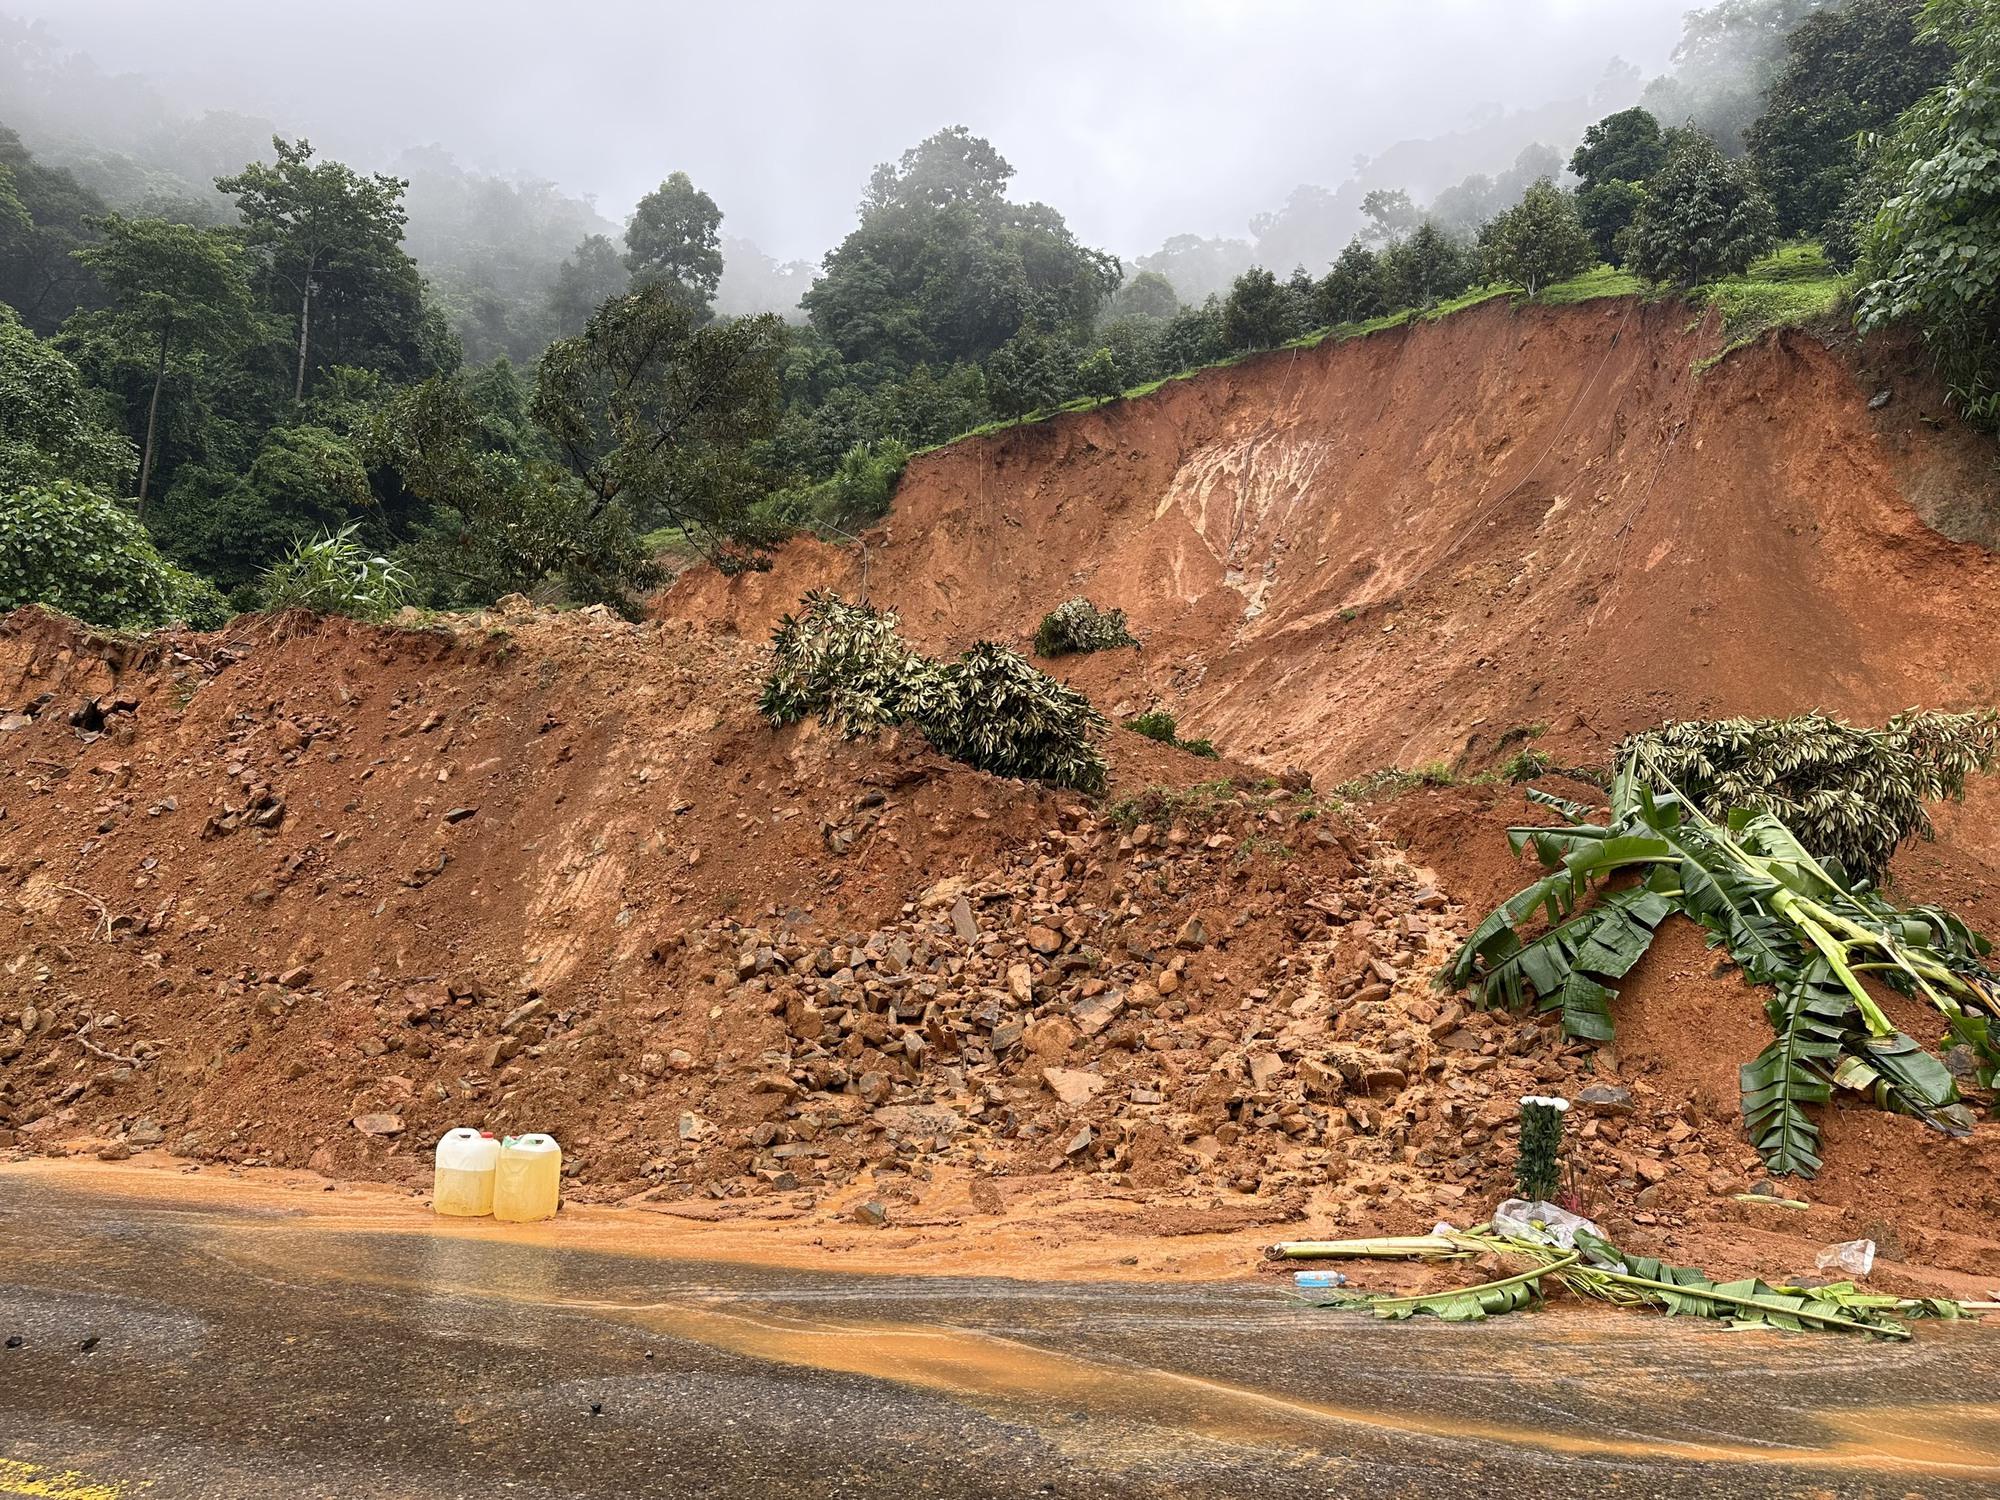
{"x": 241, "y": 1350}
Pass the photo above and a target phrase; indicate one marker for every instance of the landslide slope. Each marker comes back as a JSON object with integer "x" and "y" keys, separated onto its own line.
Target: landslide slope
{"x": 1394, "y": 549}
{"x": 265, "y": 891}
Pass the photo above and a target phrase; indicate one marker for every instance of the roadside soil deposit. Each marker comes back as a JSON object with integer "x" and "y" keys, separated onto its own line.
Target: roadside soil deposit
{"x": 302, "y": 894}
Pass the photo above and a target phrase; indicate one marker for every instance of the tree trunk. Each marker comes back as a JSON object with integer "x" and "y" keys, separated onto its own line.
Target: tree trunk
{"x": 305, "y": 323}
{"x": 152, "y": 422}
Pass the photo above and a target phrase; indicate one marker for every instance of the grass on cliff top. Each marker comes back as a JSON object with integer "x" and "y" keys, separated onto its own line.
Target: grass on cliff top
{"x": 1794, "y": 284}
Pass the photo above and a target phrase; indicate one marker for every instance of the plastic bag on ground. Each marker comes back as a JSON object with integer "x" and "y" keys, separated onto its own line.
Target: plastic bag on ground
{"x": 1855, "y": 1257}
{"x": 1543, "y": 1223}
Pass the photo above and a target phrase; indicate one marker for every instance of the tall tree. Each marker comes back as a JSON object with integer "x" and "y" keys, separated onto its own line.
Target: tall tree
{"x": 675, "y": 239}
{"x": 1146, "y": 295}
{"x": 1539, "y": 240}
{"x": 943, "y": 267}
{"x": 591, "y": 276}
{"x": 1704, "y": 216}
{"x": 656, "y": 410}
{"x": 1728, "y": 55}
{"x": 1616, "y": 157}
{"x": 1352, "y": 289}
{"x": 1259, "y": 313}
{"x": 326, "y": 232}
{"x": 178, "y": 291}
{"x": 1625, "y": 147}
{"x": 1932, "y": 252}
{"x": 1847, "y": 70}
{"x": 1391, "y": 215}
{"x": 52, "y": 427}
{"x": 40, "y": 277}
{"x": 1426, "y": 268}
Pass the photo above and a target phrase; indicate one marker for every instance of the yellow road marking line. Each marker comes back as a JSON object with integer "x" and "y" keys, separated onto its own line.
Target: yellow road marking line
{"x": 43, "y": 1483}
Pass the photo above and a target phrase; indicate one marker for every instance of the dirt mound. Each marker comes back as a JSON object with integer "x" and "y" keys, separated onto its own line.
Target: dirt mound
{"x": 306, "y": 892}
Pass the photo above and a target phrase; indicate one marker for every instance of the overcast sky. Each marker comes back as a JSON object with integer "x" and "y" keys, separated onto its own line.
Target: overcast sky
{"x": 1136, "y": 118}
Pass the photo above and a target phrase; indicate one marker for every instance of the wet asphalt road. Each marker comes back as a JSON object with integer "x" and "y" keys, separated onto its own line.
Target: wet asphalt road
{"x": 247, "y": 1353}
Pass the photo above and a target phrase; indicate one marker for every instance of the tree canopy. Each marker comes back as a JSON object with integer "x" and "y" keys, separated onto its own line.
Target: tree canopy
{"x": 1932, "y": 251}
{"x": 329, "y": 244}
{"x": 675, "y": 239}
{"x": 654, "y": 409}
{"x": 944, "y": 267}
{"x": 1704, "y": 216}
{"x": 1539, "y": 240}
{"x": 1847, "y": 70}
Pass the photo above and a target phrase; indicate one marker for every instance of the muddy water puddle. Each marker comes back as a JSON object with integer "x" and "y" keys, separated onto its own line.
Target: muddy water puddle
{"x": 228, "y": 1342}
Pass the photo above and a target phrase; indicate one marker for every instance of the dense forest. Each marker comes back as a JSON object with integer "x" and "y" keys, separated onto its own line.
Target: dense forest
{"x": 236, "y": 373}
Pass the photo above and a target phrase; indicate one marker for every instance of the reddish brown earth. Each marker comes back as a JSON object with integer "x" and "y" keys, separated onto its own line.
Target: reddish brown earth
{"x": 552, "y": 871}
{"x": 1394, "y": 550}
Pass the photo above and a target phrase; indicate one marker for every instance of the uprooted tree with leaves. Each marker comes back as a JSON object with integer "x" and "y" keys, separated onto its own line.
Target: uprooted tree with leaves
{"x": 991, "y": 709}
{"x": 1790, "y": 920}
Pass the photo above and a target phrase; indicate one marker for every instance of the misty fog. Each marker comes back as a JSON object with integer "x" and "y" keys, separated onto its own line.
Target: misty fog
{"x": 1137, "y": 120}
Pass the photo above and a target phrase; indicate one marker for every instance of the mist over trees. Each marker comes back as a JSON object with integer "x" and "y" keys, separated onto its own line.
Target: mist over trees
{"x": 231, "y": 360}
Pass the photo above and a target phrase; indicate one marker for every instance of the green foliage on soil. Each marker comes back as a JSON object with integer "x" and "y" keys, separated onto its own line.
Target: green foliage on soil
{"x": 77, "y": 551}
{"x": 989, "y": 708}
{"x": 1792, "y": 922}
{"x": 1158, "y": 724}
{"x": 1077, "y": 626}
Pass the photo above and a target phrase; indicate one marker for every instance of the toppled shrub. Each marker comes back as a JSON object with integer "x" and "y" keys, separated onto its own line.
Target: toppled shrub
{"x": 1158, "y": 724}
{"x": 998, "y": 713}
{"x": 843, "y": 662}
{"x": 1076, "y": 626}
{"x": 990, "y": 709}
{"x": 1849, "y": 794}
{"x": 335, "y": 575}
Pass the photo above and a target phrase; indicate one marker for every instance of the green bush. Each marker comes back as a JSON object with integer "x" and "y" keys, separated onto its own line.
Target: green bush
{"x": 858, "y": 491}
{"x": 846, "y": 664}
{"x": 74, "y": 550}
{"x": 843, "y": 662}
{"x": 998, "y": 713}
{"x": 194, "y": 601}
{"x": 1158, "y": 724}
{"x": 335, "y": 575}
{"x": 1076, "y": 626}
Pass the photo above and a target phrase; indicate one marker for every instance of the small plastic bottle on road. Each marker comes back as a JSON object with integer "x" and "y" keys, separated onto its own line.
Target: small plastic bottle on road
{"x": 462, "y": 1186}
{"x": 528, "y": 1180}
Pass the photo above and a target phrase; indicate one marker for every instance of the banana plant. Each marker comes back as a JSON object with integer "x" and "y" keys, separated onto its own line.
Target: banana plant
{"x": 1790, "y": 921}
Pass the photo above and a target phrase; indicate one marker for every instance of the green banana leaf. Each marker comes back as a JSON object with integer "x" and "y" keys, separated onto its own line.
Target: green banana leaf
{"x": 1471, "y": 1304}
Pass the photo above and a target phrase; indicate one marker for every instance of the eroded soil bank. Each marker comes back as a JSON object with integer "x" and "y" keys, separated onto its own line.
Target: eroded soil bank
{"x": 303, "y": 894}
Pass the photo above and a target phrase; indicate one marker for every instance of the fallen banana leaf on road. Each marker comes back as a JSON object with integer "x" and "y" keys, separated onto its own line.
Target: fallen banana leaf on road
{"x": 1471, "y": 1304}
{"x": 1600, "y": 1271}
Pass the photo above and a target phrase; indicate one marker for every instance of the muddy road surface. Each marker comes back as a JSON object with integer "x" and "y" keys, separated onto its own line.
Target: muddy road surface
{"x": 196, "y": 1349}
